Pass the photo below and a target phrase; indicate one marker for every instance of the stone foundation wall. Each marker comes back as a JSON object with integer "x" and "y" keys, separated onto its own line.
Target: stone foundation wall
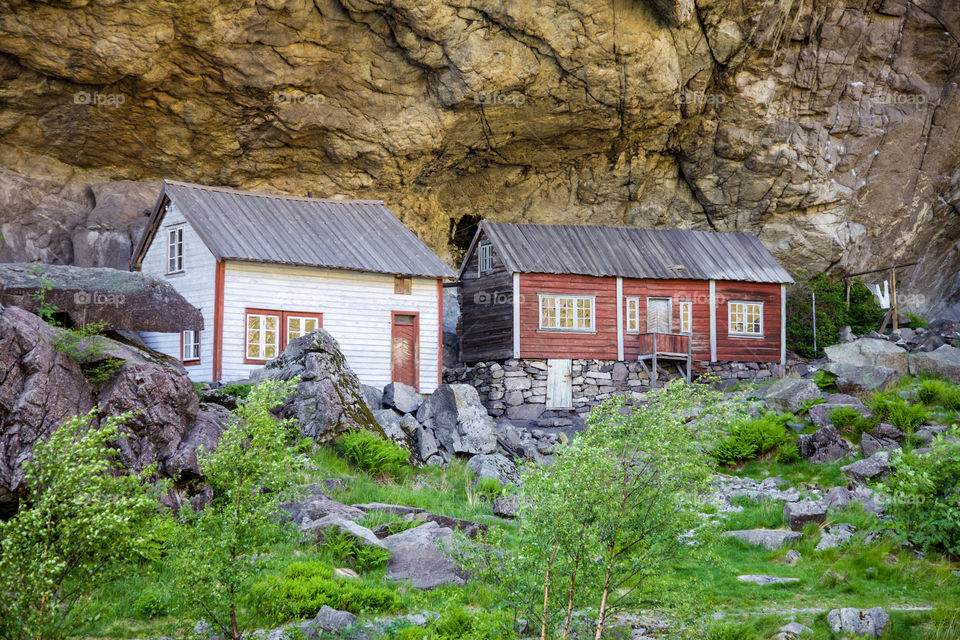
{"x": 517, "y": 389}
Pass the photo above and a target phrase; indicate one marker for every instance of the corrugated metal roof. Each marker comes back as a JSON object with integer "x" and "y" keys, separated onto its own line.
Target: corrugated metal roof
{"x": 632, "y": 252}
{"x": 358, "y": 235}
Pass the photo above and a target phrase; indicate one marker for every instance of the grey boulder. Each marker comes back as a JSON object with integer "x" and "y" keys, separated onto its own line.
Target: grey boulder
{"x": 506, "y": 506}
{"x": 493, "y": 465}
{"x": 770, "y": 538}
{"x": 861, "y": 378}
{"x": 819, "y": 414}
{"x": 798, "y": 514}
{"x": 401, "y": 397}
{"x": 316, "y": 504}
{"x": 793, "y": 631}
{"x": 329, "y": 620}
{"x": 870, "y": 444}
{"x": 943, "y": 362}
{"x": 862, "y": 471}
{"x": 418, "y": 556}
{"x": 871, "y": 622}
{"x": 835, "y": 536}
{"x": 326, "y": 525}
{"x": 763, "y": 580}
{"x": 824, "y": 445}
{"x": 459, "y": 420}
{"x": 789, "y": 394}
{"x": 874, "y": 352}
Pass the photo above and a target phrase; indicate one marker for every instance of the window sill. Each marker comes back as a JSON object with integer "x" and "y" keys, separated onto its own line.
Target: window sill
{"x": 190, "y": 363}
{"x": 581, "y": 331}
{"x": 251, "y": 361}
{"x": 175, "y": 273}
{"x": 748, "y": 336}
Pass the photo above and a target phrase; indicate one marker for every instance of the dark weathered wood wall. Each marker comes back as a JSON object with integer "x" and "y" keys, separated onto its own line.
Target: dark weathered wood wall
{"x": 486, "y": 312}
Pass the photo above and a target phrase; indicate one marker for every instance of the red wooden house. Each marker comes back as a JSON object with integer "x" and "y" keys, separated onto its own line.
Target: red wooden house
{"x": 621, "y": 294}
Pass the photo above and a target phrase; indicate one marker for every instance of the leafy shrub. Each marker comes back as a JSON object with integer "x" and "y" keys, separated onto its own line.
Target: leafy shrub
{"x": 304, "y": 587}
{"x": 863, "y": 314}
{"x": 930, "y": 391}
{"x": 824, "y": 379}
{"x": 488, "y": 488}
{"x": 924, "y": 494}
{"x": 906, "y": 417}
{"x": 457, "y": 623}
{"x": 804, "y": 408}
{"x": 347, "y": 548}
{"x": 241, "y": 390}
{"x": 722, "y": 630}
{"x": 751, "y": 439}
{"x": 788, "y": 453}
{"x": 916, "y": 322}
{"x": 950, "y": 399}
{"x": 843, "y": 418}
{"x": 373, "y": 454}
{"x": 151, "y": 603}
{"x": 879, "y": 403}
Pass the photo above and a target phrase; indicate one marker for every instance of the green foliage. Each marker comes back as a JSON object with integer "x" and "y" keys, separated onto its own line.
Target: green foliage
{"x": 843, "y": 418}
{"x": 46, "y": 310}
{"x": 751, "y": 438}
{"x": 607, "y": 518}
{"x": 152, "y": 603}
{"x": 724, "y": 630}
{"x": 863, "y": 315}
{"x": 788, "y": 453}
{"x": 457, "y": 622}
{"x": 80, "y": 522}
{"x": 824, "y": 379}
{"x": 488, "y": 488}
{"x": 237, "y": 390}
{"x": 99, "y": 372}
{"x": 304, "y": 587}
{"x": 906, "y": 417}
{"x": 925, "y": 495}
{"x": 347, "y": 548}
{"x": 930, "y": 391}
{"x": 916, "y": 322}
{"x": 373, "y": 454}
{"x": 85, "y": 345}
{"x": 218, "y": 550}
{"x": 804, "y": 408}
{"x": 950, "y": 398}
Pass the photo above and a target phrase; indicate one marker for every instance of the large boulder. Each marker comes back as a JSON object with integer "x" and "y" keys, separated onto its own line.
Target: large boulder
{"x": 316, "y": 504}
{"x": 329, "y": 400}
{"x": 798, "y": 514}
{"x": 943, "y": 362}
{"x": 789, "y": 394}
{"x": 824, "y": 445}
{"x": 493, "y": 465}
{"x": 873, "y": 352}
{"x": 862, "y": 471}
{"x": 769, "y": 538}
{"x": 871, "y": 622}
{"x": 861, "y": 378}
{"x": 459, "y": 420}
{"x": 333, "y": 524}
{"x": 419, "y": 556}
{"x": 819, "y": 414}
{"x": 401, "y": 397}
{"x": 121, "y": 300}
{"x": 41, "y": 387}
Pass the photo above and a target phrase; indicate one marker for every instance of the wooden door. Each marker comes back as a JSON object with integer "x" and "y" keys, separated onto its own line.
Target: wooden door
{"x": 404, "y": 349}
{"x": 559, "y": 384}
{"x": 658, "y": 315}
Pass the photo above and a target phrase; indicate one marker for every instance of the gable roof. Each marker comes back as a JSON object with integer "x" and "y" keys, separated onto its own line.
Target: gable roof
{"x": 357, "y": 235}
{"x": 632, "y": 252}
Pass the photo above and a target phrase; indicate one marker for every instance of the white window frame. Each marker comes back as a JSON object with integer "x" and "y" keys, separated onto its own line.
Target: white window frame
{"x": 190, "y": 351}
{"x": 175, "y": 249}
{"x": 635, "y": 303}
{"x": 556, "y": 308}
{"x": 485, "y": 257}
{"x": 301, "y": 320}
{"x": 262, "y": 344}
{"x": 743, "y": 313}
{"x": 686, "y": 316}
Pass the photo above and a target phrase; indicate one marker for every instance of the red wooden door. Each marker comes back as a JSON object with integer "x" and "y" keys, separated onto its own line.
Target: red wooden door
{"x": 405, "y": 349}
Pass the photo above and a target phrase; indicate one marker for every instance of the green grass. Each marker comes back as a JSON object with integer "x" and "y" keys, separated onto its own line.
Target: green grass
{"x": 824, "y": 475}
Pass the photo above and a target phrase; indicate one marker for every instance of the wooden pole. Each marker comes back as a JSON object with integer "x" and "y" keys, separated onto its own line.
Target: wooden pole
{"x": 813, "y": 297}
{"x": 893, "y": 296}
{"x": 689, "y": 356}
{"x": 848, "y": 294}
{"x": 653, "y": 383}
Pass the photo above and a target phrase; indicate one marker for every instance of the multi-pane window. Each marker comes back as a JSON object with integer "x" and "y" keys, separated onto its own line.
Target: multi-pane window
{"x": 567, "y": 313}
{"x": 300, "y": 326}
{"x": 633, "y": 315}
{"x": 486, "y": 257}
{"x": 686, "y": 316}
{"x": 175, "y": 249}
{"x": 402, "y": 285}
{"x": 191, "y": 346}
{"x": 263, "y": 336}
{"x": 746, "y": 318}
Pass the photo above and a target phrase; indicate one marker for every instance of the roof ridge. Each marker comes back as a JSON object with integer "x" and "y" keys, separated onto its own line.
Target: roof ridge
{"x": 619, "y": 226}
{"x": 260, "y": 194}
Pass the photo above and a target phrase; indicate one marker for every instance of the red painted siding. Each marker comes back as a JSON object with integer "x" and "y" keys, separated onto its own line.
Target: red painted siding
{"x": 765, "y": 349}
{"x": 535, "y": 343}
{"x": 696, "y": 291}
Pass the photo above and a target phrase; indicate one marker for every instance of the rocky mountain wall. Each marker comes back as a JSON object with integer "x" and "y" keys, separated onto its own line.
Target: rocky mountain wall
{"x": 827, "y": 127}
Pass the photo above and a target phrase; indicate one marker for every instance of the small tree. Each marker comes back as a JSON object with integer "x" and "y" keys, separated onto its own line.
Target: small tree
{"x": 600, "y": 527}
{"x": 80, "y": 521}
{"x": 216, "y": 558}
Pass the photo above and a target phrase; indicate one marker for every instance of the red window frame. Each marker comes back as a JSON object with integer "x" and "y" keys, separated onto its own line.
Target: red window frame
{"x": 282, "y": 333}
{"x": 403, "y": 285}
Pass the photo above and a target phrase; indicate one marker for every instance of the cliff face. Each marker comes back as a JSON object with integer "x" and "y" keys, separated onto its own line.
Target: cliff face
{"x": 827, "y": 127}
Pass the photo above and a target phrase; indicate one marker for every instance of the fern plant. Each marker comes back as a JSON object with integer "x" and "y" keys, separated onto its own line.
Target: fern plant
{"x": 376, "y": 456}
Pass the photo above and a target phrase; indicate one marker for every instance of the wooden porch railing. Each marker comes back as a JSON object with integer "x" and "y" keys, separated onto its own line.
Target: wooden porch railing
{"x": 670, "y": 346}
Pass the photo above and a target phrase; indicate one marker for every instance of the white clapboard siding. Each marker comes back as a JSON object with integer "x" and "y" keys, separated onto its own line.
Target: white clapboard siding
{"x": 196, "y": 284}
{"x": 356, "y": 310}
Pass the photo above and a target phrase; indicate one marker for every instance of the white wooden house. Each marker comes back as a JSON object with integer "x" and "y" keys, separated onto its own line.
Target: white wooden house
{"x": 264, "y": 269}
